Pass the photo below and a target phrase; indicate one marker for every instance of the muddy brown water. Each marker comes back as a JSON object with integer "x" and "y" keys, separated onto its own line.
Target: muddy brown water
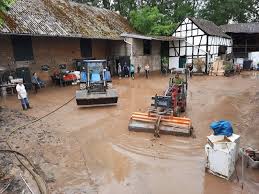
{"x": 103, "y": 153}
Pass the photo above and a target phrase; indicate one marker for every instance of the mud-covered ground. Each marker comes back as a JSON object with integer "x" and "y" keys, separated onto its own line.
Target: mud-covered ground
{"x": 90, "y": 150}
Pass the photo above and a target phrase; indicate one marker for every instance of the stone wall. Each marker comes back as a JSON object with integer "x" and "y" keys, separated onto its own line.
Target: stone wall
{"x": 119, "y": 48}
{"x": 154, "y": 59}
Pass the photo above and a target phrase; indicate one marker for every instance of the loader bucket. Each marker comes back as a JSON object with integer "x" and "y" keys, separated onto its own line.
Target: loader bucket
{"x": 168, "y": 125}
{"x": 84, "y": 99}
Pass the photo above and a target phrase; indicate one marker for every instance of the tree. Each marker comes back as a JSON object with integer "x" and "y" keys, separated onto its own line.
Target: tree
{"x": 224, "y": 11}
{"x": 124, "y": 7}
{"x": 4, "y": 6}
{"x": 98, "y": 3}
{"x": 149, "y": 21}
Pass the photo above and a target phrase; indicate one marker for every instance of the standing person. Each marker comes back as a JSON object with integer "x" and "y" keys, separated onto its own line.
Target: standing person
{"x": 139, "y": 68}
{"x": 147, "y": 70}
{"x": 119, "y": 70}
{"x": 190, "y": 67}
{"x": 126, "y": 70}
{"x": 35, "y": 82}
{"x": 22, "y": 96}
{"x": 132, "y": 71}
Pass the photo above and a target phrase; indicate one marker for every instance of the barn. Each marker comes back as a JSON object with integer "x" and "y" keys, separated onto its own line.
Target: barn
{"x": 245, "y": 38}
{"x": 201, "y": 39}
{"x": 53, "y": 32}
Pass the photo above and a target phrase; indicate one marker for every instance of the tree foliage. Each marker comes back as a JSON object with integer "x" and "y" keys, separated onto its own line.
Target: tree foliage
{"x": 124, "y": 7}
{"x": 4, "y": 6}
{"x": 225, "y": 11}
{"x": 149, "y": 20}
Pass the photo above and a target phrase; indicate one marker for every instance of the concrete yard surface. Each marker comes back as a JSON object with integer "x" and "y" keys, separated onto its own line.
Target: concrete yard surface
{"x": 90, "y": 150}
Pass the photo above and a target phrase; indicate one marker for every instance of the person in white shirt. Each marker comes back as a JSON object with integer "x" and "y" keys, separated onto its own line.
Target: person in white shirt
{"x": 22, "y": 96}
{"x": 147, "y": 70}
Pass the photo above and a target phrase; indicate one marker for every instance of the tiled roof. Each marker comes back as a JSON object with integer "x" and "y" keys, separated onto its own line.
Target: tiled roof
{"x": 62, "y": 18}
{"x": 248, "y": 28}
{"x": 209, "y": 27}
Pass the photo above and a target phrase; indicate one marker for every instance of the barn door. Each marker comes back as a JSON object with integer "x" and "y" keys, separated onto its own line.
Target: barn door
{"x": 86, "y": 48}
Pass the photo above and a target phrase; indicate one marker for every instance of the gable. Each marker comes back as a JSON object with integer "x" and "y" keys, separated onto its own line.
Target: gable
{"x": 199, "y": 27}
{"x": 188, "y": 28}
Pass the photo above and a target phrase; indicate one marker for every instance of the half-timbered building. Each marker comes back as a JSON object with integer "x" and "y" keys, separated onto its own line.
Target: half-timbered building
{"x": 201, "y": 39}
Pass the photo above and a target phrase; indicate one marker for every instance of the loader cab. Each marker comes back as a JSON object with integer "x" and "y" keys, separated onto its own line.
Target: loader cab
{"x": 94, "y": 89}
{"x": 92, "y": 71}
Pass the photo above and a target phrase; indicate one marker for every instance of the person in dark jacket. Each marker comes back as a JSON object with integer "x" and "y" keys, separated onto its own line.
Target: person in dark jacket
{"x": 37, "y": 83}
{"x": 190, "y": 67}
{"x": 126, "y": 70}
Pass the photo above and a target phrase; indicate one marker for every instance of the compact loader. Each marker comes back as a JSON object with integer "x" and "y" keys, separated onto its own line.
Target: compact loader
{"x": 164, "y": 115}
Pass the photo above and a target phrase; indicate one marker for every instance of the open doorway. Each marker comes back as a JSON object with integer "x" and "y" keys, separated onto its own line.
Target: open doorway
{"x": 182, "y": 61}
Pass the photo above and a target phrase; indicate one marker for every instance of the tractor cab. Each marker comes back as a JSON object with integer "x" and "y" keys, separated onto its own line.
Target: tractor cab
{"x": 94, "y": 88}
{"x": 94, "y": 75}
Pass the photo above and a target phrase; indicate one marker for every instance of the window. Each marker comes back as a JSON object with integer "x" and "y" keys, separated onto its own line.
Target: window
{"x": 165, "y": 49}
{"x": 222, "y": 50}
{"x": 86, "y": 48}
{"x": 147, "y": 47}
{"x": 22, "y": 48}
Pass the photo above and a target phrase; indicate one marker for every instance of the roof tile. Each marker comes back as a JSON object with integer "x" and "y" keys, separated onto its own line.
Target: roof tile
{"x": 63, "y": 18}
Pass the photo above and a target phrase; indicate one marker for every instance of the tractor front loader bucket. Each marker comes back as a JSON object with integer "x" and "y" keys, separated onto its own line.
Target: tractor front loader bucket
{"x": 85, "y": 99}
{"x": 160, "y": 124}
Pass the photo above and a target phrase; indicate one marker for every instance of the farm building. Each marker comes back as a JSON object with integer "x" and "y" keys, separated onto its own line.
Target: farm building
{"x": 148, "y": 49}
{"x": 50, "y": 32}
{"x": 245, "y": 38}
{"x": 201, "y": 39}
{"x": 41, "y": 32}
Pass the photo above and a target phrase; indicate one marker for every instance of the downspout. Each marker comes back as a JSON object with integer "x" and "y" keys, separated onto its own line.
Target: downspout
{"x": 131, "y": 49}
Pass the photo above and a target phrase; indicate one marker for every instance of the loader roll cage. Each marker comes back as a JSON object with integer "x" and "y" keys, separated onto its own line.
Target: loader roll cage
{"x": 92, "y": 74}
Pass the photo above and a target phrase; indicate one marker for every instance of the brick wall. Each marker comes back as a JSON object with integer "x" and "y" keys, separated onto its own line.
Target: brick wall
{"x": 100, "y": 49}
{"x": 54, "y": 51}
{"x": 6, "y": 51}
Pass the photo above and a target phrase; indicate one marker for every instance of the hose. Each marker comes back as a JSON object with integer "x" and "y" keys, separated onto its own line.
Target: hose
{"x": 42, "y": 185}
{"x": 36, "y": 120}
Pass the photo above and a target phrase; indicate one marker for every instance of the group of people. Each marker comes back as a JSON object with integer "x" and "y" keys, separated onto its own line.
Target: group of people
{"x": 37, "y": 83}
{"x": 130, "y": 70}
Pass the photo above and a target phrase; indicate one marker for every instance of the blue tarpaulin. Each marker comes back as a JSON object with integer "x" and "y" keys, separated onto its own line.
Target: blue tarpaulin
{"x": 222, "y": 127}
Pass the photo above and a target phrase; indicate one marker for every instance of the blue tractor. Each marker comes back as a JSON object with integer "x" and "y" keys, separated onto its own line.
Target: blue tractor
{"x": 95, "y": 87}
